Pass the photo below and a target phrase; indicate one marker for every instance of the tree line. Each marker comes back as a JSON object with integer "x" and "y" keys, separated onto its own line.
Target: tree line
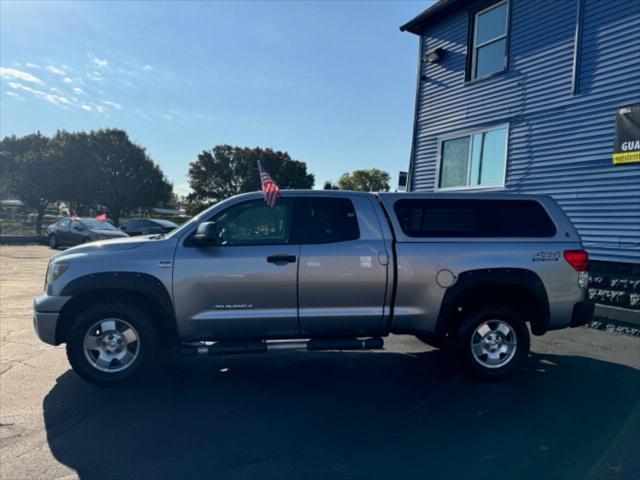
{"x": 371, "y": 180}
{"x": 225, "y": 171}
{"x": 99, "y": 170}
{"x": 105, "y": 170}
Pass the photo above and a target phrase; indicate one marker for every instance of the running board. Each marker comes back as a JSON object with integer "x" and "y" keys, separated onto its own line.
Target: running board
{"x": 262, "y": 346}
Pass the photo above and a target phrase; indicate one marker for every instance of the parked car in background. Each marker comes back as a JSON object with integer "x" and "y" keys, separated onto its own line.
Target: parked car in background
{"x": 147, "y": 226}
{"x": 69, "y": 232}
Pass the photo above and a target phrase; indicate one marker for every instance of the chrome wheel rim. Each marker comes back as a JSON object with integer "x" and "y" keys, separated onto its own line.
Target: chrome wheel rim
{"x": 111, "y": 345}
{"x": 494, "y": 343}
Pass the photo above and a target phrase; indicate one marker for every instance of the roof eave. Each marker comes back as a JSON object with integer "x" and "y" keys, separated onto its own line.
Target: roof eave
{"x": 416, "y": 25}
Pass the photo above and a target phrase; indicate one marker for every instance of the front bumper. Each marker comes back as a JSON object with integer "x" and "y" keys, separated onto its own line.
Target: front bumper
{"x": 46, "y": 314}
{"x": 582, "y": 314}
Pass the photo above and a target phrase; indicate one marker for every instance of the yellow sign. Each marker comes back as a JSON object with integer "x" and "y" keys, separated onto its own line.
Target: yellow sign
{"x": 628, "y": 157}
{"x": 626, "y": 146}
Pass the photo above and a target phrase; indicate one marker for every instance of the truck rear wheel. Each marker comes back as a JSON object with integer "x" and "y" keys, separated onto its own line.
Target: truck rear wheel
{"x": 494, "y": 341}
{"x": 111, "y": 344}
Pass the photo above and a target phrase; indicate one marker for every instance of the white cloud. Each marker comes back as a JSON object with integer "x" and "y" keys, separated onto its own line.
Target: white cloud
{"x": 12, "y": 94}
{"x": 148, "y": 68}
{"x": 86, "y": 107}
{"x": 56, "y": 70}
{"x": 113, "y": 104}
{"x": 13, "y": 74}
{"x": 78, "y": 90}
{"x": 143, "y": 115}
{"x": 167, "y": 117}
{"x": 58, "y": 100}
{"x": 182, "y": 189}
{"x": 100, "y": 108}
{"x": 67, "y": 80}
{"x": 32, "y": 65}
{"x": 99, "y": 63}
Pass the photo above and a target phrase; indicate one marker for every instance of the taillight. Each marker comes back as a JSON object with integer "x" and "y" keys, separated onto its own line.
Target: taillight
{"x": 578, "y": 259}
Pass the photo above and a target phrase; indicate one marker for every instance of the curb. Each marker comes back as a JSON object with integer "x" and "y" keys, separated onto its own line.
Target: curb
{"x": 616, "y": 319}
{"x": 22, "y": 240}
{"x": 615, "y": 327}
{"x": 609, "y": 312}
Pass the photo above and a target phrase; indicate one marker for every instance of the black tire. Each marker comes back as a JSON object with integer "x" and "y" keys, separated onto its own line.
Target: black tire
{"x": 493, "y": 317}
{"x": 146, "y": 345}
{"x": 53, "y": 241}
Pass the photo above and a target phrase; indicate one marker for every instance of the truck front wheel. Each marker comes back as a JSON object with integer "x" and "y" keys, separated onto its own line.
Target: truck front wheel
{"x": 111, "y": 344}
{"x": 494, "y": 341}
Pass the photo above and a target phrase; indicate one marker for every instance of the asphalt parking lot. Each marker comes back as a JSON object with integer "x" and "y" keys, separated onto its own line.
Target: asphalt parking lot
{"x": 402, "y": 413}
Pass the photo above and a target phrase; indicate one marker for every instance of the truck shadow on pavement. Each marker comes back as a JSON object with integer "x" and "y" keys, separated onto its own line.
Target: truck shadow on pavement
{"x": 349, "y": 415}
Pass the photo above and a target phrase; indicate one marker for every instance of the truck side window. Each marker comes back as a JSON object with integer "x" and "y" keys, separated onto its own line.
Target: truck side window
{"x": 255, "y": 223}
{"x": 473, "y": 218}
{"x": 328, "y": 220}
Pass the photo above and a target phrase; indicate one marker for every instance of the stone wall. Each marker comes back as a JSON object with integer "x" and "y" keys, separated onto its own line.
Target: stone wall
{"x": 615, "y": 284}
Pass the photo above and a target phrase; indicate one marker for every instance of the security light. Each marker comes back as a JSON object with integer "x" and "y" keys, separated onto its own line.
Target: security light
{"x": 435, "y": 56}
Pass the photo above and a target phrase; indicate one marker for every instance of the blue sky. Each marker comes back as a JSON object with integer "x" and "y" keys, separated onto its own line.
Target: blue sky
{"x": 332, "y": 83}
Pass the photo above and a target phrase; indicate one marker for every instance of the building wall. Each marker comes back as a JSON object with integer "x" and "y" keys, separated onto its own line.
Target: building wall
{"x": 559, "y": 144}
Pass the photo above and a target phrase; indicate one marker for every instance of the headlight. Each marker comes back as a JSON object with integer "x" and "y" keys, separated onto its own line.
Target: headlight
{"x": 55, "y": 270}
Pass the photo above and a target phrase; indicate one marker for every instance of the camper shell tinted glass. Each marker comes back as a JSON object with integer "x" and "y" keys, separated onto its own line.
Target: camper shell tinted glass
{"x": 473, "y": 218}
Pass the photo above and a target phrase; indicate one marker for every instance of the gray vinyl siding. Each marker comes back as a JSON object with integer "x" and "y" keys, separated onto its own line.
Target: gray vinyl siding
{"x": 559, "y": 144}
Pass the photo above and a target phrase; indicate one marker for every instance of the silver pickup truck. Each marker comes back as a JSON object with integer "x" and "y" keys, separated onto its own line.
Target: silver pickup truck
{"x": 323, "y": 270}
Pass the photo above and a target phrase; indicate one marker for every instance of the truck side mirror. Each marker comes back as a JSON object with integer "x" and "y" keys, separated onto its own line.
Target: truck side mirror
{"x": 206, "y": 234}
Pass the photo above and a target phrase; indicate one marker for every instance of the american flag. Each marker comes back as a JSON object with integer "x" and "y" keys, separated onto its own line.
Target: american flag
{"x": 269, "y": 187}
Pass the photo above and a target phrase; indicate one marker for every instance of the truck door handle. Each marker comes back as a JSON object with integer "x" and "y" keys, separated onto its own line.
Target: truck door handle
{"x": 281, "y": 258}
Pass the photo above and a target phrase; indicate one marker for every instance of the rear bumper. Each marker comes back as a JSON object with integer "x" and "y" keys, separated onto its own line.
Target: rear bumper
{"x": 582, "y": 314}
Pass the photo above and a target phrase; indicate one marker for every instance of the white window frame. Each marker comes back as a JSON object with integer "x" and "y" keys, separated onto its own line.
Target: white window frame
{"x": 475, "y": 46}
{"x": 469, "y": 134}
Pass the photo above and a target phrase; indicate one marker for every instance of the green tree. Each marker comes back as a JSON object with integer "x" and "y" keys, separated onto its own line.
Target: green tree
{"x": 372, "y": 180}
{"x": 126, "y": 177}
{"x": 98, "y": 169}
{"x": 225, "y": 171}
{"x": 31, "y": 172}
{"x": 329, "y": 185}
{"x": 10, "y": 148}
{"x": 81, "y": 180}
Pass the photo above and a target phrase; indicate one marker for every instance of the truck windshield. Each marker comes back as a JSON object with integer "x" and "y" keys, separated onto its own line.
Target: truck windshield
{"x": 194, "y": 220}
